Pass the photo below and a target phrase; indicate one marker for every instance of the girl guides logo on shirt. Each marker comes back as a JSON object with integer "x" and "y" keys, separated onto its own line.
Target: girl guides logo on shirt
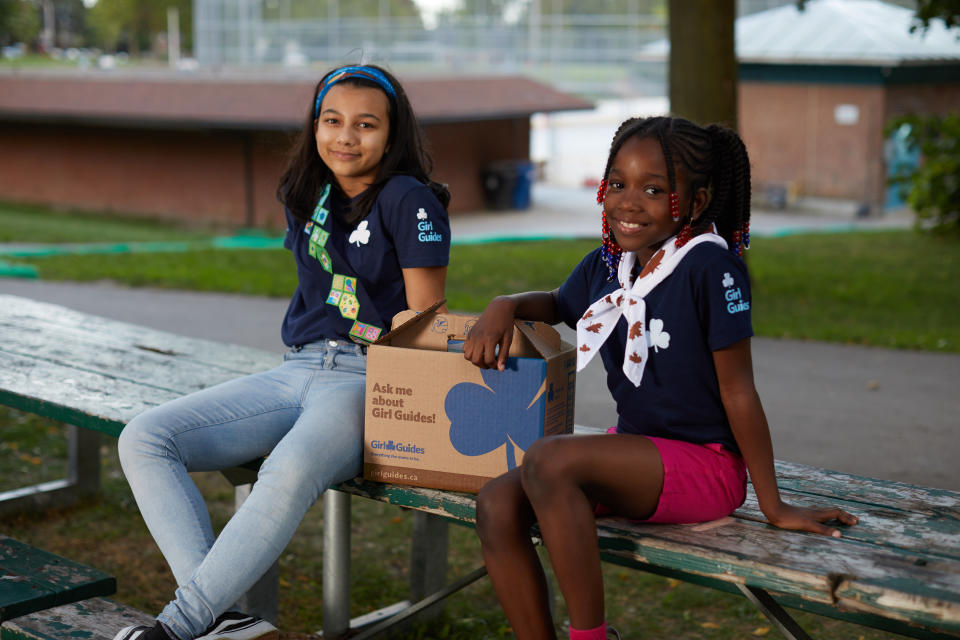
{"x": 733, "y": 296}
{"x": 425, "y": 228}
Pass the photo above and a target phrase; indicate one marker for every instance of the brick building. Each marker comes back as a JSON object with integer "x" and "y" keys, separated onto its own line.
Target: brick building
{"x": 212, "y": 147}
{"x": 818, "y": 86}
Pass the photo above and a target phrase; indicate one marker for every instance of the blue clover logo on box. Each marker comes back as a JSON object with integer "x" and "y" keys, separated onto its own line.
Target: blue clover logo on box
{"x": 507, "y": 410}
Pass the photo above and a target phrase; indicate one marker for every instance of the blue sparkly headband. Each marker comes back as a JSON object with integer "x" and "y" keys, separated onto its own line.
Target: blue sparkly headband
{"x": 345, "y": 73}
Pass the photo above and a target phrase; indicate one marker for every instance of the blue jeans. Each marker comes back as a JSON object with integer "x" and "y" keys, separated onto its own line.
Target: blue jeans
{"x": 307, "y": 414}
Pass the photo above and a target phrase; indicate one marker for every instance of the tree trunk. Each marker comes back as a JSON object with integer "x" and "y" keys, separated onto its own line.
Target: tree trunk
{"x": 703, "y": 64}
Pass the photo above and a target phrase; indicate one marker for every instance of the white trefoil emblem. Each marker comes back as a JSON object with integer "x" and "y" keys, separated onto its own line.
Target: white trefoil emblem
{"x": 360, "y": 235}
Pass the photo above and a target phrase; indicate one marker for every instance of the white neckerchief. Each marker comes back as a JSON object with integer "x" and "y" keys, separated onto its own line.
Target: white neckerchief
{"x": 598, "y": 322}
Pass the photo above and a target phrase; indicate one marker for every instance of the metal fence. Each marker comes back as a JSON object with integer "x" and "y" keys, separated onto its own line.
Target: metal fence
{"x": 593, "y": 55}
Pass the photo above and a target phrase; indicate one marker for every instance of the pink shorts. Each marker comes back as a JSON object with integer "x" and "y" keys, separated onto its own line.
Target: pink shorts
{"x": 701, "y": 482}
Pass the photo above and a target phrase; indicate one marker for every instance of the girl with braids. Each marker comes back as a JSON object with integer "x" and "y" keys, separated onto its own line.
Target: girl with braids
{"x": 370, "y": 237}
{"x": 665, "y": 301}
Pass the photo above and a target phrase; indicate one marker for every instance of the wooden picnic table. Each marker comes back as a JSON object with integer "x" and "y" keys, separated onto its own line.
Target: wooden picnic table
{"x": 32, "y": 579}
{"x": 898, "y": 569}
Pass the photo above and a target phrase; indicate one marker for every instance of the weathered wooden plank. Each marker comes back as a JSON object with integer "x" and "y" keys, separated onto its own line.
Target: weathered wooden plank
{"x": 32, "y": 579}
{"x": 102, "y": 400}
{"x": 901, "y": 531}
{"x": 922, "y": 588}
{"x": 883, "y": 493}
{"x": 792, "y": 601}
{"x": 448, "y": 504}
{"x": 100, "y": 351}
{"x": 75, "y": 396}
{"x": 168, "y": 369}
{"x": 54, "y": 325}
{"x": 93, "y": 619}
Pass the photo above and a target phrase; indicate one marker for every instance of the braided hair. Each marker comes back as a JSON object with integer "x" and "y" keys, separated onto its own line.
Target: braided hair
{"x": 714, "y": 158}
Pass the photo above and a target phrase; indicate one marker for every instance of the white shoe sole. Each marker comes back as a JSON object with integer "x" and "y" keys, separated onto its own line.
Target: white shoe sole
{"x": 233, "y": 630}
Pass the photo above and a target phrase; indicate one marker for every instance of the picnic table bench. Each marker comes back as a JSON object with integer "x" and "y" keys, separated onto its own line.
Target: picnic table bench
{"x": 898, "y": 569}
{"x": 31, "y": 578}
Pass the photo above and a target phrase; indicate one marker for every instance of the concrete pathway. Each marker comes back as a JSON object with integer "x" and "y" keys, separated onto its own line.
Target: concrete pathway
{"x": 574, "y": 213}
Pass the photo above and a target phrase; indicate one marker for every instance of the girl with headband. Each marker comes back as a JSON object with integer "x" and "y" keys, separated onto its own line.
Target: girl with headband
{"x": 369, "y": 232}
{"x": 665, "y": 302}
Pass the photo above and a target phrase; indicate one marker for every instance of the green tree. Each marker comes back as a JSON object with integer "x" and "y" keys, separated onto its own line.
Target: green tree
{"x": 307, "y": 9}
{"x": 606, "y": 7}
{"x": 932, "y": 190}
{"x": 946, "y": 10}
{"x": 133, "y": 25}
{"x": 19, "y": 21}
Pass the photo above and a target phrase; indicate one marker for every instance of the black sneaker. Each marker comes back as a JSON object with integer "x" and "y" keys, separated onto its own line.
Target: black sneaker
{"x": 141, "y": 632}
{"x": 239, "y": 626}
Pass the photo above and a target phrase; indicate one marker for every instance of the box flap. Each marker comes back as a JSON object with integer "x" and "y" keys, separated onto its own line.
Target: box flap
{"x": 428, "y": 329}
{"x": 408, "y": 317}
{"x": 542, "y": 337}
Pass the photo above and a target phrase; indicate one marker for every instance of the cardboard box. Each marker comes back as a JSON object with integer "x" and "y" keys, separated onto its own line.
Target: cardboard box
{"x": 433, "y": 419}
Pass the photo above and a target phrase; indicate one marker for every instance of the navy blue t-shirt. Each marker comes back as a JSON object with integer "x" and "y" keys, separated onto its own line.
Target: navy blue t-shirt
{"x": 407, "y": 228}
{"x": 705, "y": 306}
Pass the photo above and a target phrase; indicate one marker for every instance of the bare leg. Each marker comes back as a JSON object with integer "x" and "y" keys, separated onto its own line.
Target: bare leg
{"x": 504, "y": 518}
{"x": 563, "y": 478}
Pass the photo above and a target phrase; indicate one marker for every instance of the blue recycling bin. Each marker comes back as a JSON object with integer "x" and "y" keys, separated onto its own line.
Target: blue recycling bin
{"x": 507, "y": 184}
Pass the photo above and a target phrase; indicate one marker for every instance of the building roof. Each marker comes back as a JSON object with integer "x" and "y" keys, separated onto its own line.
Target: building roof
{"x": 852, "y": 32}
{"x": 234, "y": 102}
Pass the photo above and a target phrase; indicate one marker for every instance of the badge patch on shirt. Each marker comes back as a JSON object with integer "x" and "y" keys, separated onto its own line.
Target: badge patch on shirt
{"x": 365, "y": 332}
{"x": 325, "y": 261}
{"x": 349, "y": 306}
{"x": 342, "y": 294}
{"x": 320, "y": 212}
{"x": 319, "y": 236}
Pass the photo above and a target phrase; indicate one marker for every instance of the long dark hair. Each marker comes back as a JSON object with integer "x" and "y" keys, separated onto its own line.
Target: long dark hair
{"x": 714, "y": 157}
{"x": 306, "y": 172}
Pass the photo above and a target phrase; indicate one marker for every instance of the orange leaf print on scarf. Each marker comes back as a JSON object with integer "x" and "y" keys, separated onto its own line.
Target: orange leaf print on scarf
{"x": 635, "y": 357}
{"x": 595, "y": 327}
{"x": 584, "y": 348}
{"x": 636, "y": 330}
{"x": 588, "y": 314}
{"x": 652, "y": 263}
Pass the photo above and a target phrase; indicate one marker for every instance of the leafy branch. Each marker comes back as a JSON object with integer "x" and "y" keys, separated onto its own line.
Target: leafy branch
{"x": 932, "y": 189}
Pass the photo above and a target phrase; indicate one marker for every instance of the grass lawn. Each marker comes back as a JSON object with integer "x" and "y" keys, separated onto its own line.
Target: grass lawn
{"x": 35, "y": 224}
{"x": 889, "y": 289}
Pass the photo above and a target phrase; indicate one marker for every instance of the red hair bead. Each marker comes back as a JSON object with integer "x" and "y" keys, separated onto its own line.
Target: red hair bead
{"x": 602, "y": 191}
{"x": 684, "y": 236}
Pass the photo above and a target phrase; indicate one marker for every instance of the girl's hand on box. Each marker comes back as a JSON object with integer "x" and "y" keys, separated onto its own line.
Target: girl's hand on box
{"x": 488, "y": 343}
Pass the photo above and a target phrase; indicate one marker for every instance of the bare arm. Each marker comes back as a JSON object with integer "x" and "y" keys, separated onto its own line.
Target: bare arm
{"x": 742, "y": 404}
{"x": 494, "y": 329}
{"x": 424, "y": 286}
